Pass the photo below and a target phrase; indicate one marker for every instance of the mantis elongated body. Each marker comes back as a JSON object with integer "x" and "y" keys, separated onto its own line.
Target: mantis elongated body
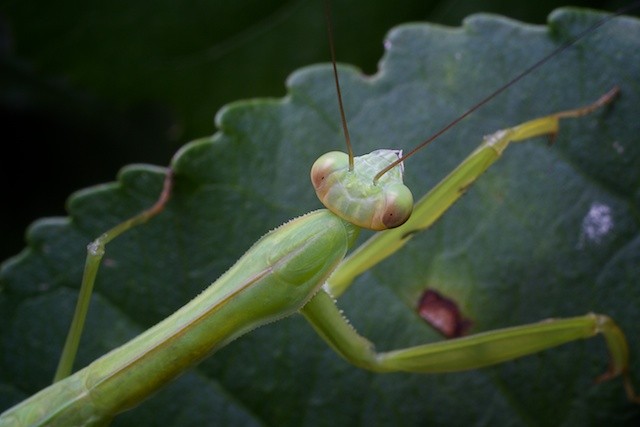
{"x": 320, "y": 311}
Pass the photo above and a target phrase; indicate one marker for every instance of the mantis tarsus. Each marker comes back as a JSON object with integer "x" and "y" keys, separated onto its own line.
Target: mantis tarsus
{"x": 382, "y": 314}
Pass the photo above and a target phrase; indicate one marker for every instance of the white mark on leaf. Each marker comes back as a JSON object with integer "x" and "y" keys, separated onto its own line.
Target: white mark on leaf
{"x": 618, "y": 147}
{"x": 596, "y": 224}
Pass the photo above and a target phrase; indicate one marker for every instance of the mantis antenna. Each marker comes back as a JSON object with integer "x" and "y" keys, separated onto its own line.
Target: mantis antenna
{"x": 370, "y": 197}
{"x": 498, "y": 91}
{"x": 345, "y": 128}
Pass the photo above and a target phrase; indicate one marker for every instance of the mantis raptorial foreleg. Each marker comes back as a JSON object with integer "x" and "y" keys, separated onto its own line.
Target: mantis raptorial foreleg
{"x": 478, "y": 350}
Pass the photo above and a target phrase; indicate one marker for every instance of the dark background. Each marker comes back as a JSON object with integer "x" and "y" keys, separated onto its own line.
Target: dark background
{"x": 85, "y": 90}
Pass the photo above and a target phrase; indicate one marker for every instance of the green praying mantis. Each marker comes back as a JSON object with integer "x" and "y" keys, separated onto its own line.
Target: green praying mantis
{"x": 320, "y": 309}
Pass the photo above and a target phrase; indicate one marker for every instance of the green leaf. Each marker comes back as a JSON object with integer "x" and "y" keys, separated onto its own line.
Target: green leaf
{"x": 548, "y": 231}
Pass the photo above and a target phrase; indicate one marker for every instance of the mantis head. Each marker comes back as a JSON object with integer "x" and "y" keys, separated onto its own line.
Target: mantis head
{"x": 355, "y": 196}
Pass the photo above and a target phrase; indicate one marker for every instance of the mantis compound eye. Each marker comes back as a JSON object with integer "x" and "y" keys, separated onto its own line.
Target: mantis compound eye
{"x": 399, "y": 205}
{"x": 322, "y": 171}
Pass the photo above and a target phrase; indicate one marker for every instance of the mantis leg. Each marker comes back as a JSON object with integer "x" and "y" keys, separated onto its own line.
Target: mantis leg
{"x": 478, "y": 350}
{"x": 436, "y": 202}
{"x": 95, "y": 252}
{"x": 472, "y": 352}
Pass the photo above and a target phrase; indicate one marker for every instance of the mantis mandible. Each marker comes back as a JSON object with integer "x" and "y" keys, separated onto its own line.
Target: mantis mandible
{"x": 321, "y": 307}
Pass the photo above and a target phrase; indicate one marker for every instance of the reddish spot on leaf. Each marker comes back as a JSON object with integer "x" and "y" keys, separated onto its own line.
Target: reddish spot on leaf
{"x": 443, "y": 314}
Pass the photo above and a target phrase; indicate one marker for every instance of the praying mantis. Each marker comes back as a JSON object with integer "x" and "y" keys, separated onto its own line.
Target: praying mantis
{"x": 490, "y": 223}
